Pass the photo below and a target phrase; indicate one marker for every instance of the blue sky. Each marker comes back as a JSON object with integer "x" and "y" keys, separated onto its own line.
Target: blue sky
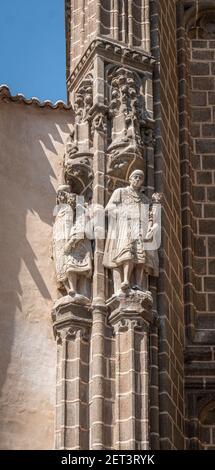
{"x": 32, "y": 38}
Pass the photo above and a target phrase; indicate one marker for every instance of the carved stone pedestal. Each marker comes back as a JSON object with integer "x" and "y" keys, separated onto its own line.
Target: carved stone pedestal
{"x": 72, "y": 326}
{"x": 131, "y": 316}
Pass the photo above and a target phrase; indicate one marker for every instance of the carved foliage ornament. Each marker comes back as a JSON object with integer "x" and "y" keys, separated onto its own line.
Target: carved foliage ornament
{"x": 130, "y": 128}
{"x": 78, "y": 156}
{"x": 127, "y": 98}
{"x": 83, "y": 101}
{"x": 99, "y": 123}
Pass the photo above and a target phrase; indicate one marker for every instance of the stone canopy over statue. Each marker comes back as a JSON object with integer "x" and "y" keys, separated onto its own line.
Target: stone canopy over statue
{"x": 132, "y": 224}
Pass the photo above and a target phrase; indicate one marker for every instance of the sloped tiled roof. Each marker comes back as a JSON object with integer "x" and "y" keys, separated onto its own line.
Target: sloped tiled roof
{"x": 5, "y": 95}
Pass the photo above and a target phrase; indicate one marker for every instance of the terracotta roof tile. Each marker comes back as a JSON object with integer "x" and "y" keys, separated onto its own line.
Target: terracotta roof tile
{"x": 5, "y": 95}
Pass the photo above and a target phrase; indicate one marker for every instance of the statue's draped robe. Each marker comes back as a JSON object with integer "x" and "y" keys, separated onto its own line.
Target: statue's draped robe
{"x": 128, "y": 220}
{"x": 79, "y": 259}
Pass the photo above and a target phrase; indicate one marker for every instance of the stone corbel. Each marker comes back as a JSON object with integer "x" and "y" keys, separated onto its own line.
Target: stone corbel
{"x": 71, "y": 315}
{"x": 132, "y": 306}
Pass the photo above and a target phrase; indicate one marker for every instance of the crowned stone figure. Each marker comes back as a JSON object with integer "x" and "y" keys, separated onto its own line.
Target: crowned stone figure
{"x": 131, "y": 229}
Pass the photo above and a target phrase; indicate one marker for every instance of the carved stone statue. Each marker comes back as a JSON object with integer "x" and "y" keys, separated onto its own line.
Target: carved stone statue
{"x": 131, "y": 227}
{"x": 72, "y": 251}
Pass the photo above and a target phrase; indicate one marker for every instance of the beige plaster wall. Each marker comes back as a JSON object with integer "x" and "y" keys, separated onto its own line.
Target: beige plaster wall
{"x": 31, "y": 150}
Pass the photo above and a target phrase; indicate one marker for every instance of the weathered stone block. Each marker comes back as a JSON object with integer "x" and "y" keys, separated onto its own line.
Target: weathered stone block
{"x": 208, "y": 163}
{"x": 211, "y": 194}
{"x": 211, "y": 246}
{"x": 196, "y": 44}
{"x": 203, "y": 55}
{"x": 200, "y": 265}
{"x": 209, "y": 211}
{"x": 209, "y": 284}
{"x": 207, "y": 227}
{"x": 211, "y": 268}
{"x": 211, "y": 98}
{"x": 205, "y": 146}
{"x": 203, "y": 83}
{"x": 204, "y": 177}
{"x": 199, "y": 99}
{"x": 201, "y": 114}
{"x": 198, "y": 68}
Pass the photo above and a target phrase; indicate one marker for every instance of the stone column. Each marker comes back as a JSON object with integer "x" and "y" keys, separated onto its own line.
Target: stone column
{"x": 72, "y": 328}
{"x": 97, "y": 371}
{"x": 97, "y": 380}
{"x": 131, "y": 316}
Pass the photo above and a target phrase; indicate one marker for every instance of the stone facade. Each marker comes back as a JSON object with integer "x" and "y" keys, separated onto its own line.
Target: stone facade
{"x": 196, "y": 86}
{"x": 134, "y": 335}
{"x": 178, "y": 153}
{"x": 110, "y": 147}
{"x": 167, "y": 177}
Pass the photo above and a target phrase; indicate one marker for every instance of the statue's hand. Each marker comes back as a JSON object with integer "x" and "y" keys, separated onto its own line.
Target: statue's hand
{"x": 149, "y": 235}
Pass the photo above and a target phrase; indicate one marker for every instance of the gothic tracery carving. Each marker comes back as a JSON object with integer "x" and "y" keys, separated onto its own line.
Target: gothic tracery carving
{"x": 84, "y": 99}
{"x": 130, "y": 120}
{"x": 78, "y": 155}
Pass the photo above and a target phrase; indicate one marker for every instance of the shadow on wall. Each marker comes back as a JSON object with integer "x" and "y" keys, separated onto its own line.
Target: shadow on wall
{"x": 30, "y": 164}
